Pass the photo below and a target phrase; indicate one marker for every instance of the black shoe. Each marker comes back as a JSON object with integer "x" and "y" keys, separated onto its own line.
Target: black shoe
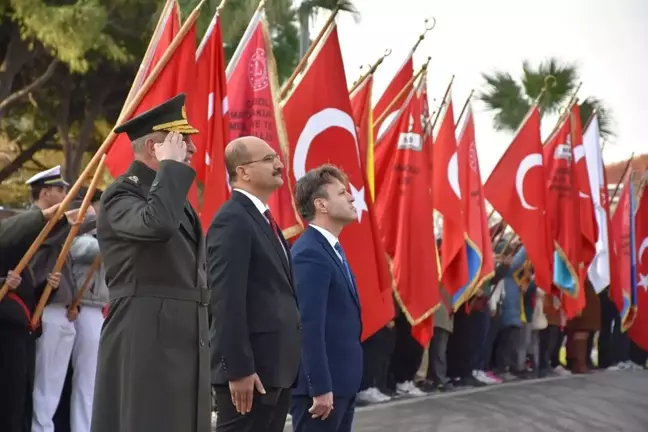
{"x": 471, "y": 381}
{"x": 427, "y": 386}
{"x": 446, "y": 387}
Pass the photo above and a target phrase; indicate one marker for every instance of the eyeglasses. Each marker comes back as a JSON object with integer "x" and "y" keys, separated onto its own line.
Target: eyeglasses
{"x": 267, "y": 159}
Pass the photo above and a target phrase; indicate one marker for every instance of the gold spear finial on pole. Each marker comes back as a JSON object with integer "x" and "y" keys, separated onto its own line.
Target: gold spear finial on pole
{"x": 429, "y": 25}
{"x": 372, "y": 69}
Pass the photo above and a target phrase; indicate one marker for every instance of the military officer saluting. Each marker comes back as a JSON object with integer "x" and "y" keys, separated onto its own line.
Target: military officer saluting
{"x": 153, "y": 367}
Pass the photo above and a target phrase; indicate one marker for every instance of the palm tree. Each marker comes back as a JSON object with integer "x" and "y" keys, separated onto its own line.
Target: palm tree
{"x": 307, "y": 11}
{"x": 510, "y": 100}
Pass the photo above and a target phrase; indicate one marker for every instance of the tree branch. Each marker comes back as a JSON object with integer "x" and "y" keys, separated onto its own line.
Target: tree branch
{"x": 27, "y": 155}
{"x": 38, "y": 82}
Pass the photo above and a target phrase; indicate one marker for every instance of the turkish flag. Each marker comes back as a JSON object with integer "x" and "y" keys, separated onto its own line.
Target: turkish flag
{"x": 251, "y": 89}
{"x": 405, "y": 213}
{"x": 620, "y": 292}
{"x": 393, "y": 98}
{"x": 475, "y": 217}
{"x": 363, "y": 117}
{"x": 321, "y": 130}
{"x": 209, "y": 111}
{"x": 446, "y": 195}
{"x": 588, "y": 226}
{"x": 516, "y": 189}
{"x": 563, "y": 215}
{"x": 174, "y": 78}
{"x": 639, "y": 330}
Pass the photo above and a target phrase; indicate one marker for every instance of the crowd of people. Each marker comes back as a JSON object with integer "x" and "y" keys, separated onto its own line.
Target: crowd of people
{"x": 152, "y": 323}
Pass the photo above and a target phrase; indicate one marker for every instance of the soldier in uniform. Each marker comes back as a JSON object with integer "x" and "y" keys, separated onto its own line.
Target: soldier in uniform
{"x": 17, "y": 341}
{"x": 54, "y": 345}
{"x": 153, "y": 365}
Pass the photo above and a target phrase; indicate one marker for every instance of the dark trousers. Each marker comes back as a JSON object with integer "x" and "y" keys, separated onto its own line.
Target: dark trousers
{"x": 17, "y": 361}
{"x": 638, "y": 355}
{"x": 555, "y": 355}
{"x": 407, "y": 355}
{"x": 437, "y": 370}
{"x": 610, "y": 325}
{"x": 490, "y": 343}
{"x": 377, "y": 351}
{"x": 548, "y": 340}
{"x": 340, "y": 419}
{"x": 507, "y": 349}
{"x": 480, "y": 330}
{"x": 460, "y": 349}
{"x": 269, "y": 411}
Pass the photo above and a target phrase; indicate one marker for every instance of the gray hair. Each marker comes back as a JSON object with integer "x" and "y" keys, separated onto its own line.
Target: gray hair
{"x": 139, "y": 144}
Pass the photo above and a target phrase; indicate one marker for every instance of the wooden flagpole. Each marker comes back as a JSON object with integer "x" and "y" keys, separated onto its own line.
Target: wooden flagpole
{"x": 405, "y": 89}
{"x": 98, "y": 158}
{"x": 372, "y": 69}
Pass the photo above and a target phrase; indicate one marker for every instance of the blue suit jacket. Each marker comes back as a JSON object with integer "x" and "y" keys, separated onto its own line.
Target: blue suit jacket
{"x": 330, "y": 313}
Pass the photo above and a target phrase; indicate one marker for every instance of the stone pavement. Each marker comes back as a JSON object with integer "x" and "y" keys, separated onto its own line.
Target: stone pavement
{"x": 603, "y": 401}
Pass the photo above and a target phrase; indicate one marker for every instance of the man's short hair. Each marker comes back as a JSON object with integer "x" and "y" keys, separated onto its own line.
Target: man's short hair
{"x": 235, "y": 156}
{"x": 311, "y": 187}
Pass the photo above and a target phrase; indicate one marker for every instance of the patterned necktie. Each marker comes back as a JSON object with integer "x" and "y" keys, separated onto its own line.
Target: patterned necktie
{"x": 339, "y": 250}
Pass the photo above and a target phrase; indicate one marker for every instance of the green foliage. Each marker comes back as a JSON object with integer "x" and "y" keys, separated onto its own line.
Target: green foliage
{"x": 605, "y": 118}
{"x": 510, "y": 99}
{"x": 57, "y": 28}
{"x": 99, "y": 44}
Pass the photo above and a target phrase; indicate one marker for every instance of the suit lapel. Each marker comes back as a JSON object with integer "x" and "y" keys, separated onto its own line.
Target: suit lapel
{"x": 338, "y": 262}
{"x": 272, "y": 238}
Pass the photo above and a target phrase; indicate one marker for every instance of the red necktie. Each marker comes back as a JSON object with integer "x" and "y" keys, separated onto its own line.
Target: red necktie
{"x": 273, "y": 225}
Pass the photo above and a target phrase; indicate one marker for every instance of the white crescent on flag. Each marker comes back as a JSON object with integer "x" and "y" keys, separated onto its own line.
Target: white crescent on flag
{"x": 316, "y": 124}
{"x": 530, "y": 161}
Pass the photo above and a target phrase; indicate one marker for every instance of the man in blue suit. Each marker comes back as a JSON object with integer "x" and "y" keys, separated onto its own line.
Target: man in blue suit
{"x": 331, "y": 363}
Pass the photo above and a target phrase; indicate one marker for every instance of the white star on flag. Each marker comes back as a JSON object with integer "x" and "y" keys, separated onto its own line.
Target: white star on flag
{"x": 359, "y": 201}
{"x": 643, "y": 282}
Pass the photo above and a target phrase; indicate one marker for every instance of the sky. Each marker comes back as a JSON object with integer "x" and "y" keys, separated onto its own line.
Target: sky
{"x": 606, "y": 39}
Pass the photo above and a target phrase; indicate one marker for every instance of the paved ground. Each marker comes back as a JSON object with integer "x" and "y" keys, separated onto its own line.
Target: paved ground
{"x": 605, "y": 401}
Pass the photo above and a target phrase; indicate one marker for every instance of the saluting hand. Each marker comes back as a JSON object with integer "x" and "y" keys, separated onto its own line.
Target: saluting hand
{"x": 54, "y": 279}
{"x": 322, "y": 406}
{"x": 173, "y": 148}
{"x": 242, "y": 392}
{"x": 13, "y": 280}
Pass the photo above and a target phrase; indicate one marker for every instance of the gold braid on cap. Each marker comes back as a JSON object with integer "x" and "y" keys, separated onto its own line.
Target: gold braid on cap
{"x": 181, "y": 126}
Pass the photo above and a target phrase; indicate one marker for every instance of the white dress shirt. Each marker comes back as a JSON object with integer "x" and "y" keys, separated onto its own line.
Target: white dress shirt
{"x": 262, "y": 209}
{"x": 330, "y": 238}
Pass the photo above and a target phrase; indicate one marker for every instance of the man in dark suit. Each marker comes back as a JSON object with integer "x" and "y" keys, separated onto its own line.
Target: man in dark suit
{"x": 255, "y": 329}
{"x": 153, "y": 364}
{"x": 331, "y": 366}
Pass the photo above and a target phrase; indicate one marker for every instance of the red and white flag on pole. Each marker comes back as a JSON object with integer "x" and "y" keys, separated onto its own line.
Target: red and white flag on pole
{"x": 253, "y": 110}
{"x": 210, "y": 116}
{"x": 321, "y": 129}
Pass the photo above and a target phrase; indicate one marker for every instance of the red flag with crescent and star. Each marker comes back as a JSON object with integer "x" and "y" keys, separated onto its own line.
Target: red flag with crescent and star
{"x": 639, "y": 330}
{"x": 173, "y": 79}
{"x": 563, "y": 216}
{"x": 392, "y": 99}
{"x": 209, "y": 109}
{"x": 405, "y": 213}
{"x": 588, "y": 226}
{"x": 620, "y": 292}
{"x": 251, "y": 89}
{"x": 516, "y": 189}
{"x": 446, "y": 195}
{"x": 476, "y": 219}
{"x": 321, "y": 129}
{"x": 363, "y": 117}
